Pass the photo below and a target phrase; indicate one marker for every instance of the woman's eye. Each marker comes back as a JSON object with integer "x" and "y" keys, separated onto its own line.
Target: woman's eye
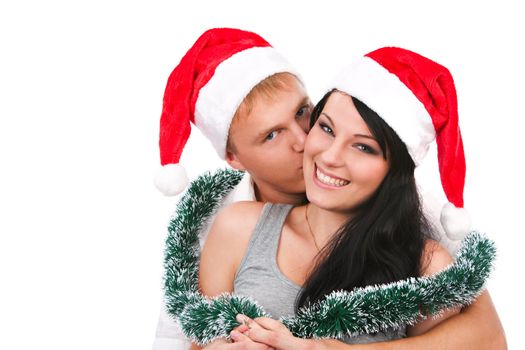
{"x": 365, "y": 148}
{"x": 326, "y": 128}
{"x": 271, "y": 136}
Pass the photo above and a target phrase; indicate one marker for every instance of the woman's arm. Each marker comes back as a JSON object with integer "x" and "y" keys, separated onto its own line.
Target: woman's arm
{"x": 224, "y": 249}
{"x": 226, "y": 245}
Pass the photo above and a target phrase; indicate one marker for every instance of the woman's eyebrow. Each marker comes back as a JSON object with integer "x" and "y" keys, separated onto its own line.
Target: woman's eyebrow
{"x": 328, "y": 117}
{"x": 356, "y": 135}
{"x": 366, "y": 136}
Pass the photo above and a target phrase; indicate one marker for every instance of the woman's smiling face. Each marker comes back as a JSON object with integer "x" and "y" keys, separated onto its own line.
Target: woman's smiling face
{"x": 343, "y": 162}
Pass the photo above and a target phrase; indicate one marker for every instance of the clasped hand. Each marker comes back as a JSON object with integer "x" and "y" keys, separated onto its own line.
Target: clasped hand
{"x": 264, "y": 333}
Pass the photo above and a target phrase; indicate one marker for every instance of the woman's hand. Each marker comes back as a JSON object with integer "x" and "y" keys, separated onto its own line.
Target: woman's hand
{"x": 223, "y": 344}
{"x": 264, "y": 330}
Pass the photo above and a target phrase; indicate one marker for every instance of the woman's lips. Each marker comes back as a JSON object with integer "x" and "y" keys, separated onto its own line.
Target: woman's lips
{"x": 329, "y": 180}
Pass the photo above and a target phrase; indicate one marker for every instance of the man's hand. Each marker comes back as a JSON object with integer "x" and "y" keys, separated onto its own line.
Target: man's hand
{"x": 272, "y": 333}
{"x": 223, "y": 344}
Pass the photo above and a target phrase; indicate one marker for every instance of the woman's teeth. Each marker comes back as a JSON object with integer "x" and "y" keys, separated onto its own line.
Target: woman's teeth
{"x": 330, "y": 180}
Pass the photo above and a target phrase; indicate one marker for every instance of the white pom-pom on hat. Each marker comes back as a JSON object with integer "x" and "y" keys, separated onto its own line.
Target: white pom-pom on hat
{"x": 455, "y": 221}
{"x": 171, "y": 179}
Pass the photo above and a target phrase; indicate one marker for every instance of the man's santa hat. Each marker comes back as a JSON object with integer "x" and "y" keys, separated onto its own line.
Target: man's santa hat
{"x": 206, "y": 88}
{"x": 416, "y": 97}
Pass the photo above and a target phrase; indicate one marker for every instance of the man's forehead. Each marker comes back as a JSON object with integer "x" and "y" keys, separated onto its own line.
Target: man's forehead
{"x": 272, "y": 113}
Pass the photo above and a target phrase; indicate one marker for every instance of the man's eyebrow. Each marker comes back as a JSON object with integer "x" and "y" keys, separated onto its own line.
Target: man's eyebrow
{"x": 304, "y": 101}
{"x": 267, "y": 131}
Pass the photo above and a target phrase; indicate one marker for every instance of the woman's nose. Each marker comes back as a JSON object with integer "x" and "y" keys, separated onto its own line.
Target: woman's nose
{"x": 332, "y": 156}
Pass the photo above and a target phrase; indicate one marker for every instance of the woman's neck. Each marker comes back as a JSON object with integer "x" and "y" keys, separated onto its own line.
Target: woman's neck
{"x": 324, "y": 223}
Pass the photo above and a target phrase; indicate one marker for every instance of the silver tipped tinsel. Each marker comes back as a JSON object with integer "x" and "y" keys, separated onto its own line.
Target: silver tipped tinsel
{"x": 363, "y": 310}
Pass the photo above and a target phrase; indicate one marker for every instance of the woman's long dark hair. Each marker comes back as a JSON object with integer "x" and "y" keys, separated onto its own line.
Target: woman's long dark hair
{"x": 384, "y": 240}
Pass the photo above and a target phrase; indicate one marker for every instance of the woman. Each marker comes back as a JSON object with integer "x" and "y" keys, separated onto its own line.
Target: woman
{"x": 364, "y": 224}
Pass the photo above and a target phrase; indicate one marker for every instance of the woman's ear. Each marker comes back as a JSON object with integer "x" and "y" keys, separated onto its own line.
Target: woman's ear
{"x": 234, "y": 161}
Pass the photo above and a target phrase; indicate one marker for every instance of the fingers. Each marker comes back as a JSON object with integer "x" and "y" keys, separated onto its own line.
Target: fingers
{"x": 281, "y": 341}
{"x": 264, "y": 322}
{"x": 271, "y": 324}
{"x": 242, "y": 346}
{"x": 247, "y": 322}
{"x": 242, "y": 328}
{"x": 271, "y": 332}
{"x": 261, "y": 335}
{"x": 239, "y": 337}
{"x": 242, "y": 342}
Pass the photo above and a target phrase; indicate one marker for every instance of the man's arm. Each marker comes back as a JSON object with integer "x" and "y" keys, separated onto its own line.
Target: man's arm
{"x": 477, "y": 327}
{"x": 434, "y": 259}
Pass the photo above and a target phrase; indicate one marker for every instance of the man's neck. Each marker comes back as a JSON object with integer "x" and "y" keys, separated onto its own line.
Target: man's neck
{"x": 274, "y": 196}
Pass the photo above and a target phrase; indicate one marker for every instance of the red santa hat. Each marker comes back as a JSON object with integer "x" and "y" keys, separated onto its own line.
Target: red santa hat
{"x": 416, "y": 97}
{"x": 206, "y": 88}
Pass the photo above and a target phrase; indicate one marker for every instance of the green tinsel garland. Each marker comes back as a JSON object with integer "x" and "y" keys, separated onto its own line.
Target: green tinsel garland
{"x": 363, "y": 310}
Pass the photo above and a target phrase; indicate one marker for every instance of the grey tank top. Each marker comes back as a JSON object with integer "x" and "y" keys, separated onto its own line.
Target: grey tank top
{"x": 260, "y": 278}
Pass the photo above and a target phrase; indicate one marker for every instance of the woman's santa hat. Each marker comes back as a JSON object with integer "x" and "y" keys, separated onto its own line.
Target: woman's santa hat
{"x": 206, "y": 88}
{"x": 416, "y": 97}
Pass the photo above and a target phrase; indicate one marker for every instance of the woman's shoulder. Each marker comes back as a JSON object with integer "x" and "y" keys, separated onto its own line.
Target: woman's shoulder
{"x": 246, "y": 207}
{"x": 240, "y": 212}
{"x": 237, "y": 219}
{"x": 435, "y": 258}
{"x": 226, "y": 245}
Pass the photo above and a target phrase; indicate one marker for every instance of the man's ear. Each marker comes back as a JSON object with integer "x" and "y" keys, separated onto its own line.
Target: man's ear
{"x": 234, "y": 161}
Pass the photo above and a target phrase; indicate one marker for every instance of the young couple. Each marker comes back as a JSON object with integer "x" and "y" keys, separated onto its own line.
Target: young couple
{"x": 361, "y": 221}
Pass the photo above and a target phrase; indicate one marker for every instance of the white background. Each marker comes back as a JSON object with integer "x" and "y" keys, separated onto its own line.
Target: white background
{"x": 81, "y": 85}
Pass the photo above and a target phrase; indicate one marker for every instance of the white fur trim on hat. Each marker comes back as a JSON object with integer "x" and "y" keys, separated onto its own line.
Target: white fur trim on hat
{"x": 171, "y": 179}
{"x": 232, "y": 81}
{"x": 455, "y": 221}
{"x": 395, "y": 103}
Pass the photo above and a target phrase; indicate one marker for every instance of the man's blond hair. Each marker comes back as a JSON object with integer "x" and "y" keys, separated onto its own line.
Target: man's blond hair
{"x": 265, "y": 90}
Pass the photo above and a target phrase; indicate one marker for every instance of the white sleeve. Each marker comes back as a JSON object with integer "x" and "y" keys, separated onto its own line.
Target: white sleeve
{"x": 169, "y": 336}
